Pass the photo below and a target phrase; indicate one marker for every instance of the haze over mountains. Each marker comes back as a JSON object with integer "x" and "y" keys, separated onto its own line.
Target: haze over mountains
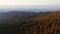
{"x": 29, "y": 16}
{"x": 20, "y": 22}
{"x": 28, "y": 20}
{"x": 30, "y": 9}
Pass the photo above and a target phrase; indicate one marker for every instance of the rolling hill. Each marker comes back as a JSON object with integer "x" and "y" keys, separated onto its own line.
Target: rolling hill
{"x": 14, "y": 15}
{"x": 45, "y": 24}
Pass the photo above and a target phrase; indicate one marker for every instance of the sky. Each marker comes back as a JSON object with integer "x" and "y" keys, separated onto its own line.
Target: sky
{"x": 29, "y": 3}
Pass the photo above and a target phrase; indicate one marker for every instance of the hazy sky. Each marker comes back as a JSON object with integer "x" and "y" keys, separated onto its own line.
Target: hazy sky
{"x": 29, "y": 2}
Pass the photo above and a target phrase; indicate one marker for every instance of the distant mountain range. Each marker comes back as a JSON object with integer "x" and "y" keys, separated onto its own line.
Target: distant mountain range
{"x": 30, "y": 9}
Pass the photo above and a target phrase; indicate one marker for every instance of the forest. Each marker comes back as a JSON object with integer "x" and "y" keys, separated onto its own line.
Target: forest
{"x": 37, "y": 23}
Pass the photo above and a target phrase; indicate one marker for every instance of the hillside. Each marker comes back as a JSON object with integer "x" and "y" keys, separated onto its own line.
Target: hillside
{"x": 8, "y": 21}
{"x": 46, "y": 24}
{"x": 13, "y": 22}
{"x": 14, "y": 16}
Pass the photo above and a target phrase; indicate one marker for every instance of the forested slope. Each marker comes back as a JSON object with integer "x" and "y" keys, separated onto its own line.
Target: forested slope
{"x": 46, "y": 24}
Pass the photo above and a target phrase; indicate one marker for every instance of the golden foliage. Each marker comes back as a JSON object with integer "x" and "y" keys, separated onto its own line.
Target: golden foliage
{"x": 47, "y": 24}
